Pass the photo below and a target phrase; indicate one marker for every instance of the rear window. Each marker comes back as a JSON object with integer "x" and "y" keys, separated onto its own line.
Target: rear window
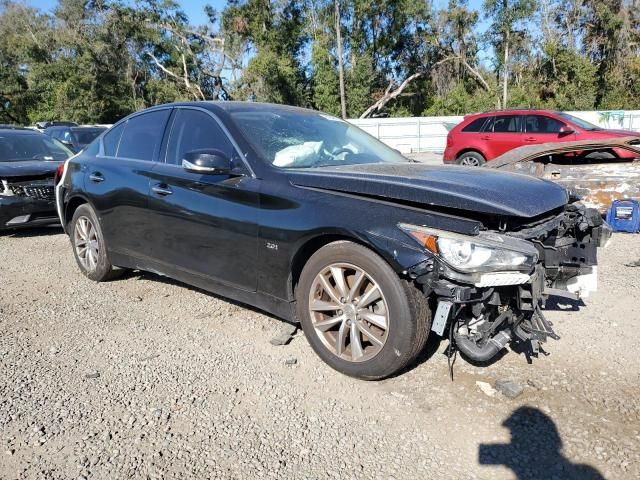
{"x": 111, "y": 139}
{"x": 142, "y": 135}
{"x": 476, "y": 125}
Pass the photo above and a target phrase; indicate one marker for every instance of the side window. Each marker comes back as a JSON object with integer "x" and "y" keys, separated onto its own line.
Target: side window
{"x": 195, "y": 130}
{"x": 142, "y": 135}
{"x": 111, "y": 139}
{"x": 543, "y": 124}
{"x": 507, "y": 124}
{"x": 475, "y": 126}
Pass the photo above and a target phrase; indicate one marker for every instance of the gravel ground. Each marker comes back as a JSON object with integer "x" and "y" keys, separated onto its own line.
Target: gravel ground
{"x": 143, "y": 377}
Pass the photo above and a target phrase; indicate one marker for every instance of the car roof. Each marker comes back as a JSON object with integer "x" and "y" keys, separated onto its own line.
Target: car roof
{"x": 19, "y": 131}
{"x": 233, "y": 106}
{"x": 87, "y": 127}
{"x": 512, "y": 111}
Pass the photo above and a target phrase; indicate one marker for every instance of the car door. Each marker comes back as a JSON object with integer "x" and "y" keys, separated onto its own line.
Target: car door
{"x": 544, "y": 129}
{"x": 204, "y": 224}
{"x": 117, "y": 181}
{"x": 505, "y": 134}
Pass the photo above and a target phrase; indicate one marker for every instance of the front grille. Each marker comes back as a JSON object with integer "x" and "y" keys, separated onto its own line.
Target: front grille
{"x": 39, "y": 192}
{"x": 43, "y": 192}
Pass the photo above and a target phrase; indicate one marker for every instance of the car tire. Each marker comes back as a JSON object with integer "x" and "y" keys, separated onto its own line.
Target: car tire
{"x": 470, "y": 159}
{"x": 88, "y": 245}
{"x": 375, "y": 352}
{"x": 600, "y": 156}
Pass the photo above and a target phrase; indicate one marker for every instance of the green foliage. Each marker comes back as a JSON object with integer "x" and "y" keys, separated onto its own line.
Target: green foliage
{"x": 273, "y": 78}
{"x": 95, "y": 61}
{"x": 325, "y": 86}
{"x": 461, "y": 101}
{"x": 568, "y": 80}
{"x": 360, "y": 85}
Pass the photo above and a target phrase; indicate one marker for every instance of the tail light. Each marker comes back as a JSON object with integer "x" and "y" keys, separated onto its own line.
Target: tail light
{"x": 449, "y": 140}
{"x": 59, "y": 173}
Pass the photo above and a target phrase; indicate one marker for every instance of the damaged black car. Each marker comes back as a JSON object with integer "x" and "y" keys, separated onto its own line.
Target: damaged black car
{"x": 28, "y": 164}
{"x": 309, "y": 218}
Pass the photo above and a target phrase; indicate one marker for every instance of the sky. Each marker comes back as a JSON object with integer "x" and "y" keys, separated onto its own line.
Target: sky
{"x": 195, "y": 8}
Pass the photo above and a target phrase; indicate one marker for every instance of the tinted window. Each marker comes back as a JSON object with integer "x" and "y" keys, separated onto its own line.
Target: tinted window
{"x": 111, "y": 139}
{"x": 543, "y": 124}
{"x": 86, "y": 135}
{"x": 195, "y": 130}
{"x": 475, "y": 126}
{"x": 507, "y": 124}
{"x": 142, "y": 135}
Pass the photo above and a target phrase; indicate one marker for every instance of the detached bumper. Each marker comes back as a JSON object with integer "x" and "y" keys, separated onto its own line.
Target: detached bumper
{"x": 22, "y": 211}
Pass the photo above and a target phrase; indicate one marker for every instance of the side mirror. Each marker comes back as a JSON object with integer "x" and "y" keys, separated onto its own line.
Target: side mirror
{"x": 566, "y": 130}
{"x": 211, "y": 162}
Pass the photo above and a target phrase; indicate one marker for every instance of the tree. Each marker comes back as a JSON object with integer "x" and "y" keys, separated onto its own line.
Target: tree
{"x": 507, "y": 32}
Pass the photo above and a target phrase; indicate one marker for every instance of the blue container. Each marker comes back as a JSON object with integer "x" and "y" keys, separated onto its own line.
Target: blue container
{"x": 624, "y": 215}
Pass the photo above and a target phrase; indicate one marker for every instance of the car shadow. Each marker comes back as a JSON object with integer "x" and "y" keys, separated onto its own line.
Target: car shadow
{"x": 535, "y": 450}
{"x": 32, "y": 232}
{"x": 563, "y": 304}
{"x": 142, "y": 275}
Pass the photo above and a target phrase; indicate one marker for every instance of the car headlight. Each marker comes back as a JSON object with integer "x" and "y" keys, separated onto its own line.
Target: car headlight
{"x": 486, "y": 252}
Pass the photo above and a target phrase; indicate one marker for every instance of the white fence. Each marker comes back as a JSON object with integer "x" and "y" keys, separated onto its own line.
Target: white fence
{"x": 429, "y": 134}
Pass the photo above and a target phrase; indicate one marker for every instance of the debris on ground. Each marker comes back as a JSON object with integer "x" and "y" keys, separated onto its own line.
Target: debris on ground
{"x": 509, "y": 388}
{"x": 486, "y": 388}
{"x": 284, "y": 335}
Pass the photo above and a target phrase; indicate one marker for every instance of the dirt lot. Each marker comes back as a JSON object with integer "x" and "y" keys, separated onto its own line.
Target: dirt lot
{"x": 143, "y": 377}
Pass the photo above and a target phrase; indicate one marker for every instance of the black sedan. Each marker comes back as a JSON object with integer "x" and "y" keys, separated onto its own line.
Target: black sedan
{"x": 305, "y": 216}
{"x": 28, "y": 164}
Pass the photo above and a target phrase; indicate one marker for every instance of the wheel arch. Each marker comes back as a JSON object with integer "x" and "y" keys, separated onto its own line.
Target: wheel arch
{"x": 71, "y": 205}
{"x": 312, "y": 245}
{"x": 470, "y": 149}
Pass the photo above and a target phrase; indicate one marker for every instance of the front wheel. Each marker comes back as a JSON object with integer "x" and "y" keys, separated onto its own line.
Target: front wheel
{"x": 357, "y": 314}
{"x": 89, "y": 248}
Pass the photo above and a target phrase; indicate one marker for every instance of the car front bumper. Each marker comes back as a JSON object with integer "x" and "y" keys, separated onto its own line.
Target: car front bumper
{"x": 22, "y": 211}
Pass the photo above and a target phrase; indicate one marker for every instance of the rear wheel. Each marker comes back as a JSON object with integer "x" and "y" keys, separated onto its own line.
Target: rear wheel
{"x": 357, "y": 314}
{"x": 89, "y": 248}
{"x": 470, "y": 159}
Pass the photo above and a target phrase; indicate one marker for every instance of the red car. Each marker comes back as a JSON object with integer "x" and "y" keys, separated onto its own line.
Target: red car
{"x": 484, "y": 136}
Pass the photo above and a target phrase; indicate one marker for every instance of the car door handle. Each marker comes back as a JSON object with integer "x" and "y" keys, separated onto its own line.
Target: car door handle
{"x": 484, "y": 137}
{"x": 96, "y": 177}
{"x": 162, "y": 190}
{"x": 530, "y": 139}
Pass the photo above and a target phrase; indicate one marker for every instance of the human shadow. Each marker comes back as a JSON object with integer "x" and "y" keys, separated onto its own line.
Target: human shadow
{"x": 535, "y": 450}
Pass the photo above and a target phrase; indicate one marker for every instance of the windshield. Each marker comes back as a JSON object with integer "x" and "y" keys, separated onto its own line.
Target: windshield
{"x": 16, "y": 147}
{"x": 86, "y": 136}
{"x": 583, "y": 124}
{"x": 305, "y": 139}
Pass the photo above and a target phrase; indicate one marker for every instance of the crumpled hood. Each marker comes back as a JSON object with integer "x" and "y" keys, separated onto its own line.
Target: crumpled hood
{"x": 469, "y": 189}
{"x": 27, "y": 168}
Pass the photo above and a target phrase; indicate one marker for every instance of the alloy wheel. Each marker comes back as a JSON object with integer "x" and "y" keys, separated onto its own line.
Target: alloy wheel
{"x": 468, "y": 161}
{"x": 349, "y": 312}
{"x": 85, "y": 240}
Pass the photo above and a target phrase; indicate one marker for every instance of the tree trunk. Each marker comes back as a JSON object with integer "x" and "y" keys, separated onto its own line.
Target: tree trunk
{"x": 505, "y": 66}
{"x": 343, "y": 100}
